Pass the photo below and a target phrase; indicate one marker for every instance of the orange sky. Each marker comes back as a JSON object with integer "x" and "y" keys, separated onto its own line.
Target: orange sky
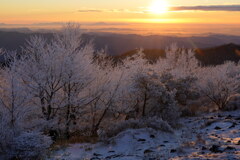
{"x": 27, "y": 12}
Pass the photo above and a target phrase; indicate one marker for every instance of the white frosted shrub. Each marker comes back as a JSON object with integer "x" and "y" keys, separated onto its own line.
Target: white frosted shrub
{"x": 150, "y": 122}
{"x": 218, "y": 83}
{"x": 158, "y": 99}
{"x": 163, "y": 103}
{"x": 160, "y": 88}
{"x": 15, "y": 142}
{"x": 158, "y": 124}
{"x": 30, "y": 145}
{"x": 6, "y": 135}
{"x": 185, "y": 87}
{"x": 233, "y": 102}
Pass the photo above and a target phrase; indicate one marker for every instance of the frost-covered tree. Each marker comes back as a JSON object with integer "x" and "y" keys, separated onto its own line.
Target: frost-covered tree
{"x": 136, "y": 70}
{"x": 159, "y": 100}
{"x": 57, "y": 74}
{"x": 218, "y": 83}
{"x": 17, "y": 115}
{"x": 78, "y": 71}
{"x": 168, "y": 82}
{"x": 185, "y": 87}
{"x": 103, "y": 96}
{"x": 180, "y": 62}
{"x": 41, "y": 73}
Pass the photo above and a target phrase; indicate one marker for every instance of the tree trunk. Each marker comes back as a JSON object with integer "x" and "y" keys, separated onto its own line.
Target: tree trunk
{"x": 144, "y": 104}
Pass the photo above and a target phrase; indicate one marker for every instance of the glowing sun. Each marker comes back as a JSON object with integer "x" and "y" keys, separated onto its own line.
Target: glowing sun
{"x": 158, "y": 7}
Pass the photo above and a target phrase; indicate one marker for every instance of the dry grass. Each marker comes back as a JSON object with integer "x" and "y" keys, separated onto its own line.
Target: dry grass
{"x": 194, "y": 108}
{"x": 62, "y": 143}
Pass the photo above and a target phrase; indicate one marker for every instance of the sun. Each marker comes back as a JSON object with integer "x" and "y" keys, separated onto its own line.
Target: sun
{"x": 159, "y": 7}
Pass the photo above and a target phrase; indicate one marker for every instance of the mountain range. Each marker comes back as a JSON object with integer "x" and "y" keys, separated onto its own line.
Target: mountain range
{"x": 207, "y": 56}
{"x": 210, "y": 49}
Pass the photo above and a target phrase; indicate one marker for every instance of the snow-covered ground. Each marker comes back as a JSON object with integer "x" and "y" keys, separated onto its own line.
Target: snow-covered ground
{"x": 210, "y": 136}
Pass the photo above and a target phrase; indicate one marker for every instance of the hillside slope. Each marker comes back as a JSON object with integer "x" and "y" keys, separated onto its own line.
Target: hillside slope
{"x": 208, "y": 56}
{"x": 211, "y": 136}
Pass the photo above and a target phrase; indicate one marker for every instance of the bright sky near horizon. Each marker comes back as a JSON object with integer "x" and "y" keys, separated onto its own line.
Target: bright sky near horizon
{"x": 120, "y": 11}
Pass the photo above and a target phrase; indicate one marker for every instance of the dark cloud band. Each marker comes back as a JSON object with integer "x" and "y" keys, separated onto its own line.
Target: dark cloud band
{"x": 207, "y": 8}
{"x": 229, "y": 8}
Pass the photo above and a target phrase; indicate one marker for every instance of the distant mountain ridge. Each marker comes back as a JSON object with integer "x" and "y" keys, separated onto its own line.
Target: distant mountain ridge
{"x": 120, "y": 44}
{"x": 116, "y": 44}
{"x": 13, "y": 40}
{"x": 208, "y": 56}
{"x": 218, "y": 55}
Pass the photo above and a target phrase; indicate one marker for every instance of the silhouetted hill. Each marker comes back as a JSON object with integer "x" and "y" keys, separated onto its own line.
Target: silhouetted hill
{"x": 21, "y": 30}
{"x": 12, "y": 40}
{"x": 118, "y": 44}
{"x": 208, "y": 56}
{"x": 150, "y": 54}
{"x": 218, "y": 55}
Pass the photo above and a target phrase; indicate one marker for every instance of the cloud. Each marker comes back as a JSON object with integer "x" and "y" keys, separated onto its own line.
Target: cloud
{"x": 60, "y": 24}
{"x": 142, "y": 10}
{"x": 207, "y": 8}
{"x": 104, "y": 24}
{"x": 34, "y": 24}
{"x": 111, "y": 10}
{"x": 47, "y": 23}
{"x": 90, "y": 10}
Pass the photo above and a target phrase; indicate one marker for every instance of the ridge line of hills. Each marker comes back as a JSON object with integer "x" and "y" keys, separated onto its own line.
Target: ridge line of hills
{"x": 207, "y": 56}
{"x": 210, "y": 50}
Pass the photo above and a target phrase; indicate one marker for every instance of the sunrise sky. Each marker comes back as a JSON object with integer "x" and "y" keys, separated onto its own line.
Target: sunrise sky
{"x": 125, "y": 15}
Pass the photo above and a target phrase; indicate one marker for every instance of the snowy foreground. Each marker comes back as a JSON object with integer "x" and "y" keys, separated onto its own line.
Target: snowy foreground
{"x": 212, "y": 136}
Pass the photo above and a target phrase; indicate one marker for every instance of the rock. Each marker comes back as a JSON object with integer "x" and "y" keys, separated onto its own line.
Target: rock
{"x": 204, "y": 148}
{"x": 141, "y": 140}
{"x": 88, "y": 149}
{"x": 229, "y": 117}
{"x": 96, "y": 154}
{"x": 238, "y": 143}
{"x": 230, "y": 148}
{"x": 114, "y": 156}
{"x": 173, "y": 150}
{"x": 233, "y": 125}
{"x": 165, "y": 141}
{"x": 95, "y": 158}
{"x": 162, "y": 145}
{"x": 152, "y": 136}
{"x": 215, "y": 149}
{"x": 148, "y": 151}
{"x": 217, "y": 128}
{"x": 214, "y": 135}
{"x": 111, "y": 151}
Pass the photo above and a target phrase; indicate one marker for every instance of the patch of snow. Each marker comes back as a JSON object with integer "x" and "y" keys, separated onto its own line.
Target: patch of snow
{"x": 211, "y": 136}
